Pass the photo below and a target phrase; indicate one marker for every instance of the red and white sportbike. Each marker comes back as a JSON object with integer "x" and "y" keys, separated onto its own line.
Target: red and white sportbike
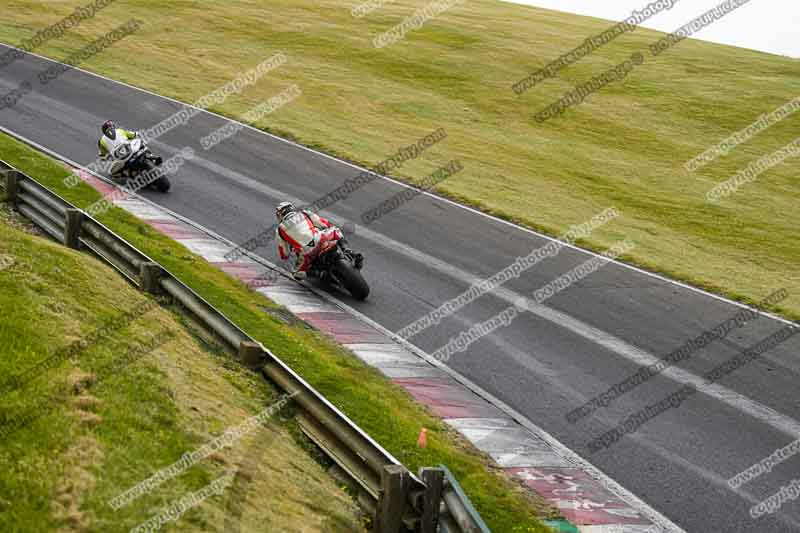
{"x": 333, "y": 262}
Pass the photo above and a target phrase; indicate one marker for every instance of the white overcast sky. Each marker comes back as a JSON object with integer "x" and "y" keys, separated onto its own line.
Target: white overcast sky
{"x": 767, "y": 25}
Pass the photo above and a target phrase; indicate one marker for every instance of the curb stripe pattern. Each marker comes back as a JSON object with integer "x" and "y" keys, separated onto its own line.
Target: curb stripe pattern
{"x": 581, "y": 498}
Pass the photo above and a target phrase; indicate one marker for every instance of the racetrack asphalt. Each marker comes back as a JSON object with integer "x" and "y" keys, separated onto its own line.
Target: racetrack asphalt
{"x": 547, "y": 362}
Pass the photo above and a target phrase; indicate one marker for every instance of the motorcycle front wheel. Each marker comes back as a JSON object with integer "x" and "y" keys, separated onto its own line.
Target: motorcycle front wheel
{"x": 351, "y": 279}
{"x": 162, "y": 184}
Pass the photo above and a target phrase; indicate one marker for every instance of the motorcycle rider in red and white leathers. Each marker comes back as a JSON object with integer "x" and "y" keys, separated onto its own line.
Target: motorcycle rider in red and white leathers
{"x": 300, "y": 232}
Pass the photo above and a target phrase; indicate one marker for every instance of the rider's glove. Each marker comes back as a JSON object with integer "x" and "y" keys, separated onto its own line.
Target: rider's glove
{"x": 299, "y": 275}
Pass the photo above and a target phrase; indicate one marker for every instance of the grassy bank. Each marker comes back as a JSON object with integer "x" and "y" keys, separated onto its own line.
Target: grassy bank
{"x": 385, "y": 411}
{"x": 624, "y": 146}
{"x": 128, "y": 403}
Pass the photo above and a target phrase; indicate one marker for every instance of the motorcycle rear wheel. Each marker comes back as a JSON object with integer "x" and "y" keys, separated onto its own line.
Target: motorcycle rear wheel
{"x": 351, "y": 279}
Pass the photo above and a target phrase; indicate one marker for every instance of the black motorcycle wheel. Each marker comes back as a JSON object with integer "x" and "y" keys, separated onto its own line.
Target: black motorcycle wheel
{"x": 351, "y": 279}
{"x": 162, "y": 184}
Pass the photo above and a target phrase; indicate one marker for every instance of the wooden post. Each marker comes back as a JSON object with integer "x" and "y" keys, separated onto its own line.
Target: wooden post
{"x": 149, "y": 275}
{"x": 251, "y": 354}
{"x": 12, "y": 177}
{"x": 434, "y": 485}
{"x": 392, "y": 501}
{"x": 72, "y": 230}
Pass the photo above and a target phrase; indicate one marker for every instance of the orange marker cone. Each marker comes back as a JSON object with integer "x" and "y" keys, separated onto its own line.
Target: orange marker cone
{"x": 422, "y": 441}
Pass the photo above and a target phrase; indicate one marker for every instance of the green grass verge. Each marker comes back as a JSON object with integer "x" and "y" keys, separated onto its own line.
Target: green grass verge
{"x": 624, "y": 146}
{"x": 382, "y": 409}
{"x": 130, "y": 403}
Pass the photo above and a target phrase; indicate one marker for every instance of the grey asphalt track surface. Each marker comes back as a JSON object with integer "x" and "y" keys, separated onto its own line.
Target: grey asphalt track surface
{"x": 544, "y": 364}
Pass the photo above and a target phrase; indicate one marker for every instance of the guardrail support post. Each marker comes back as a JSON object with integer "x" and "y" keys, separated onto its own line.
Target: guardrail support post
{"x": 11, "y": 177}
{"x": 72, "y": 229}
{"x": 251, "y": 354}
{"x": 432, "y": 498}
{"x": 394, "y": 492}
{"x": 149, "y": 275}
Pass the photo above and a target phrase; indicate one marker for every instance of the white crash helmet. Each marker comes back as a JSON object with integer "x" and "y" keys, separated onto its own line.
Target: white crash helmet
{"x": 283, "y": 209}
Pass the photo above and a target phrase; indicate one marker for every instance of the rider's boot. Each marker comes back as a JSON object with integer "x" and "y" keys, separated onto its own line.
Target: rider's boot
{"x": 298, "y": 274}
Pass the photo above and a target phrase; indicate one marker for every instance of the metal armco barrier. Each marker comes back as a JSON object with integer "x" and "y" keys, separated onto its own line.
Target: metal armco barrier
{"x": 463, "y": 516}
{"x": 399, "y": 500}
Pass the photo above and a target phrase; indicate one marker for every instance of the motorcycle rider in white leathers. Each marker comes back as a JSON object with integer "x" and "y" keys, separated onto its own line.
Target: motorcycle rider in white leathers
{"x": 112, "y": 138}
{"x": 299, "y": 232}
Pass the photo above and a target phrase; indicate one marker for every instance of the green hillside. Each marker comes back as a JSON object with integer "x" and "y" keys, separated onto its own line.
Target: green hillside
{"x": 102, "y": 387}
{"x": 625, "y": 145}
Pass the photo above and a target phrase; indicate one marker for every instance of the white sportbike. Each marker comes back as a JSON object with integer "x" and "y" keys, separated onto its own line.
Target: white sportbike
{"x": 132, "y": 160}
